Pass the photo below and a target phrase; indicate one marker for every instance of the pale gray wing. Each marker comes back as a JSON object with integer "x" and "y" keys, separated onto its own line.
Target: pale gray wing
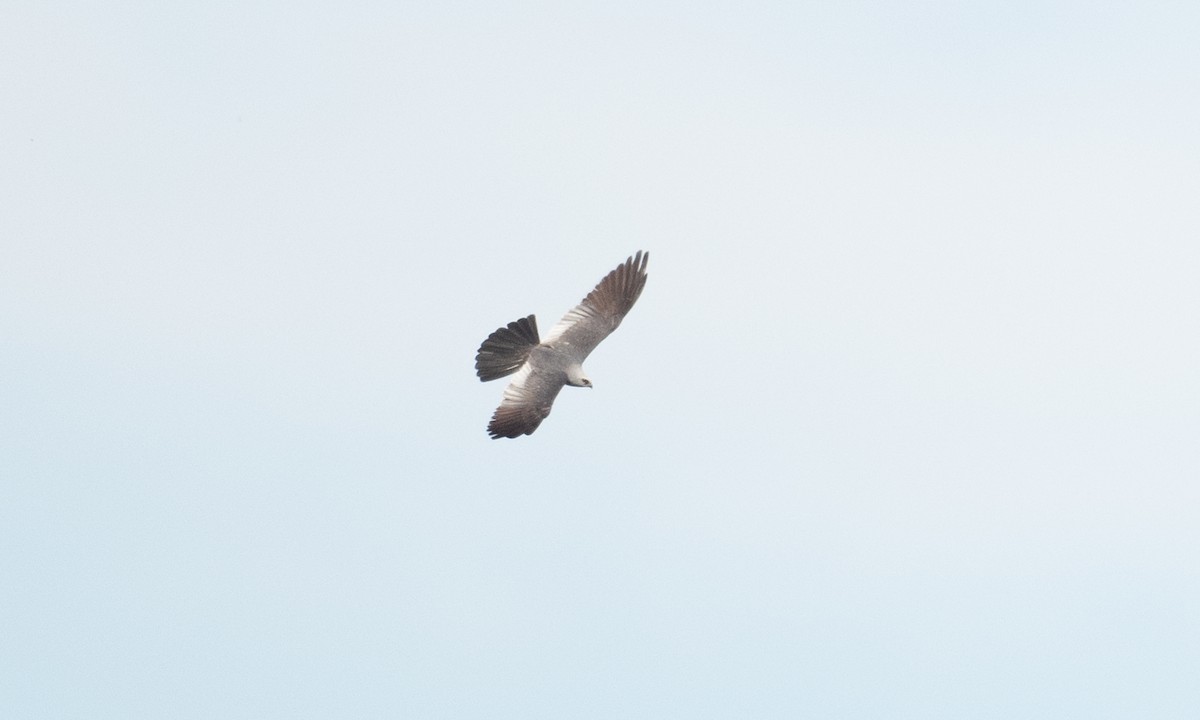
{"x": 527, "y": 401}
{"x": 589, "y": 322}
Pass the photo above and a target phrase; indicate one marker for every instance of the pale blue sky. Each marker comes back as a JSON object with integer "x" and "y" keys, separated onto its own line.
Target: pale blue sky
{"x": 904, "y": 425}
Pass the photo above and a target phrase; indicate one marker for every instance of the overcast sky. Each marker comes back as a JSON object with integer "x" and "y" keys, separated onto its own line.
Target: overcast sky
{"x": 906, "y": 423}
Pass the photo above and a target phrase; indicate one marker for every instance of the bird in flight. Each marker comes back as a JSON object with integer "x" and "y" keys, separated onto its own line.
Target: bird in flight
{"x": 542, "y": 367}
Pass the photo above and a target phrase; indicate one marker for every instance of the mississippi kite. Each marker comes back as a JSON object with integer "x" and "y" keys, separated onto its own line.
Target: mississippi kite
{"x": 542, "y": 367}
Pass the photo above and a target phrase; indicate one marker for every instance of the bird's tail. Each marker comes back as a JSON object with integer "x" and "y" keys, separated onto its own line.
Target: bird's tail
{"x": 505, "y": 350}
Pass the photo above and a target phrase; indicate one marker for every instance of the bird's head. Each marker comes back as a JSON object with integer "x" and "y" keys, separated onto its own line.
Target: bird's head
{"x": 576, "y": 378}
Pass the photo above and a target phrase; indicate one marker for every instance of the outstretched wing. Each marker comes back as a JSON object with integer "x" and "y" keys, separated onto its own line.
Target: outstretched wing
{"x": 589, "y": 322}
{"x": 527, "y": 401}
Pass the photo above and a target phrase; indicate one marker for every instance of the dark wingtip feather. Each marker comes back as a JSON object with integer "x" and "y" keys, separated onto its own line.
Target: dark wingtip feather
{"x": 513, "y": 422}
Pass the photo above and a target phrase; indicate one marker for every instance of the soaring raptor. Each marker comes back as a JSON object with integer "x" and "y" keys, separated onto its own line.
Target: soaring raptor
{"x": 542, "y": 367}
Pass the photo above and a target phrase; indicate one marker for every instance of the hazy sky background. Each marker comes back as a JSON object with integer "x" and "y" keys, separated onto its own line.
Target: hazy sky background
{"x": 905, "y": 425}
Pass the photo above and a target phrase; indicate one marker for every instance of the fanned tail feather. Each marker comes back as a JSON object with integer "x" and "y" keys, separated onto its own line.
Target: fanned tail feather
{"x": 505, "y": 351}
